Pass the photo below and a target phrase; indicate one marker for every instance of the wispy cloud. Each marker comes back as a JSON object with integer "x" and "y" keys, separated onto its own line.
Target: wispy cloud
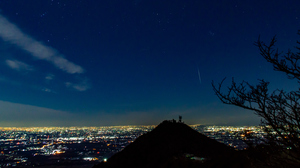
{"x": 48, "y": 90}
{"x": 49, "y": 77}
{"x": 9, "y": 32}
{"x": 12, "y": 34}
{"x": 82, "y": 86}
{"x": 18, "y": 65}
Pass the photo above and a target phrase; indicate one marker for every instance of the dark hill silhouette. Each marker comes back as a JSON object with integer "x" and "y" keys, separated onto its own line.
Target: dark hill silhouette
{"x": 173, "y": 144}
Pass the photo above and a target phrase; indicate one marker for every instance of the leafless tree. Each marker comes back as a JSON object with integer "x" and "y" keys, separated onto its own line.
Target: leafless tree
{"x": 279, "y": 110}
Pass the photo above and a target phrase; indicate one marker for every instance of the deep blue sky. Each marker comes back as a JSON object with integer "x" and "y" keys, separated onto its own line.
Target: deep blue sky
{"x": 115, "y": 62}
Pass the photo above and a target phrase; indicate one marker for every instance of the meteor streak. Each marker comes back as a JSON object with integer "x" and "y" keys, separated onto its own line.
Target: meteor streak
{"x": 199, "y": 75}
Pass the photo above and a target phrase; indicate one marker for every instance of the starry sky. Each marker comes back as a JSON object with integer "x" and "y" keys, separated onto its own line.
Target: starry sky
{"x": 116, "y": 62}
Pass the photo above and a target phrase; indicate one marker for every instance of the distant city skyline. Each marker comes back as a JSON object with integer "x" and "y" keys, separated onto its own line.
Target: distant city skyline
{"x": 86, "y": 63}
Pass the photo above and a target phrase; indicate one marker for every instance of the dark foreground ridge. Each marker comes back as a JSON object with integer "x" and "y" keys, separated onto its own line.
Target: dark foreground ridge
{"x": 174, "y": 144}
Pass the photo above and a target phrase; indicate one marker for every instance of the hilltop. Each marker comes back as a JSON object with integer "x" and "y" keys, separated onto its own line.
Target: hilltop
{"x": 175, "y": 144}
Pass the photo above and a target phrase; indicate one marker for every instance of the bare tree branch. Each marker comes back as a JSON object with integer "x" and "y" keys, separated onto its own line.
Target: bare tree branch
{"x": 279, "y": 110}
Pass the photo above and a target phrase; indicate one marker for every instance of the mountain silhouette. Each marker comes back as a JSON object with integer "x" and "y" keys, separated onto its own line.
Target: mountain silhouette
{"x": 175, "y": 144}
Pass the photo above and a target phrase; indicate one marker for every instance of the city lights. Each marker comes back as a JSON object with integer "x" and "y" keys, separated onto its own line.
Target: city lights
{"x": 19, "y": 146}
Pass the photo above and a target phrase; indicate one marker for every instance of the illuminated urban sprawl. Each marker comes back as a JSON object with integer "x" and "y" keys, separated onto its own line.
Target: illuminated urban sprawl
{"x": 57, "y": 145}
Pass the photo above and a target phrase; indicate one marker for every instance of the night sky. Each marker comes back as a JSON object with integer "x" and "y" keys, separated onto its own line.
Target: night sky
{"x": 129, "y": 62}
